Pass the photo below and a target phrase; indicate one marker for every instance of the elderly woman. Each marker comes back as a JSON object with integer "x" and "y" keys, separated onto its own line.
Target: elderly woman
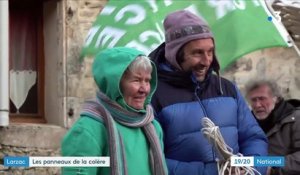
{"x": 120, "y": 122}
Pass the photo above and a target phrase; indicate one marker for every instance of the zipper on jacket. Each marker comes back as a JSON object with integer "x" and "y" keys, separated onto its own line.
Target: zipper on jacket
{"x": 197, "y": 90}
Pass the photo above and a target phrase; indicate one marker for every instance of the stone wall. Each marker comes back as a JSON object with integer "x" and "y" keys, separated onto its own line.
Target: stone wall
{"x": 30, "y": 140}
{"x": 80, "y": 84}
{"x": 45, "y": 139}
{"x": 280, "y": 64}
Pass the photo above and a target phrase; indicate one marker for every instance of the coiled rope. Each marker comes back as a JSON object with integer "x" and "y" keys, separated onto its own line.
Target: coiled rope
{"x": 213, "y": 134}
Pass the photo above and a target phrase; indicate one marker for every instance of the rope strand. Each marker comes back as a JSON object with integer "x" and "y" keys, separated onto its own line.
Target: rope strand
{"x": 214, "y": 136}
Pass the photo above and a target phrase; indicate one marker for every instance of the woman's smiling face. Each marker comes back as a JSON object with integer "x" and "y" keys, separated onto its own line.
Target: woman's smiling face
{"x": 135, "y": 87}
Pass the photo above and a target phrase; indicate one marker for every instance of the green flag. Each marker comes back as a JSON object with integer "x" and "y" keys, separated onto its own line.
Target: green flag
{"x": 239, "y": 26}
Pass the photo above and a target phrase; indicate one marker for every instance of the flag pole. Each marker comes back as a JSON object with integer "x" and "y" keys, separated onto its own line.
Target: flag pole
{"x": 295, "y": 46}
{"x": 278, "y": 18}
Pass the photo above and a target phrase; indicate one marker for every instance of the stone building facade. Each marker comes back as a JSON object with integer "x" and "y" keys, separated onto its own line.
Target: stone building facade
{"x": 69, "y": 82}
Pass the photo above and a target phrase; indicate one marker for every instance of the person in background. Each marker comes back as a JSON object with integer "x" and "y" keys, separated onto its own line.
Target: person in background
{"x": 119, "y": 123}
{"x": 189, "y": 89}
{"x": 280, "y": 120}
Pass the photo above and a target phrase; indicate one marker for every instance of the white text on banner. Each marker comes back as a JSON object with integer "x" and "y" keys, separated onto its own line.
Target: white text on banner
{"x": 241, "y": 161}
{"x": 69, "y": 161}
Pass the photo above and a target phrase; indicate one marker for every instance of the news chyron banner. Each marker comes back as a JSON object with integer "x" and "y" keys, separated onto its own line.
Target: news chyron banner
{"x": 25, "y": 161}
{"x": 239, "y": 27}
